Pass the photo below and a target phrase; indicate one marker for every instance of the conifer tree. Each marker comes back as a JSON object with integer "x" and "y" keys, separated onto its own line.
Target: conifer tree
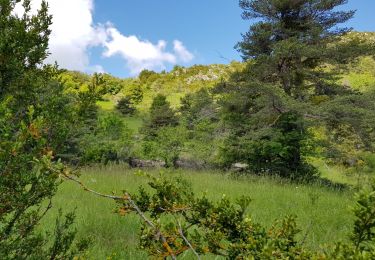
{"x": 293, "y": 39}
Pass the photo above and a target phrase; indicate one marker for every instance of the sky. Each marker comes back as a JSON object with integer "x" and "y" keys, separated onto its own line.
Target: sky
{"x": 123, "y": 37}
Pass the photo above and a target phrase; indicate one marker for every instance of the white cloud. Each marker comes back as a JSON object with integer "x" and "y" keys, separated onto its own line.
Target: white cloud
{"x": 95, "y": 68}
{"x": 142, "y": 54}
{"x": 182, "y": 53}
{"x": 74, "y": 33}
{"x": 137, "y": 54}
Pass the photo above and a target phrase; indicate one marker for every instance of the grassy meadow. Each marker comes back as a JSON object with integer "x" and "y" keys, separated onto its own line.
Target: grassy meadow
{"x": 323, "y": 213}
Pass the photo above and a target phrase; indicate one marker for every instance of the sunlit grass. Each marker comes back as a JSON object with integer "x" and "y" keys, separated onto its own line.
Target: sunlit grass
{"x": 323, "y": 214}
{"x": 134, "y": 122}
{"x": 107, "y": 105}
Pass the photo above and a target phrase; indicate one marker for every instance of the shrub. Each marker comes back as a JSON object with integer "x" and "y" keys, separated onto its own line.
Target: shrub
{"x": 175, "y": 220}
{"x": 112, "y": 140}
{"x": 125, "y": 106}
{"x": 166, "y": 145}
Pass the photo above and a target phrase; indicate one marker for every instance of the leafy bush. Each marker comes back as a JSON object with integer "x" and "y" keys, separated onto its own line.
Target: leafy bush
{"x": 166, "y": 145}
{"x": 30, "y": 135}
{"x": 175, "y": 220}
{"x": 112, "y": 140}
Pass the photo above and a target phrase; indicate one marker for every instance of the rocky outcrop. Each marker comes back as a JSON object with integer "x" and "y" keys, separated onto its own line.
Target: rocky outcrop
{"x": 138, "y": 163}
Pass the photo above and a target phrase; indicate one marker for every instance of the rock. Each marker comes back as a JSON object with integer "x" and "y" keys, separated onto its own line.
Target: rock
{"x": 239, "y": 167}
{"x": 138, "y": 163}
{"x": 188, "y": 164}
{"x": 351, "y": 162}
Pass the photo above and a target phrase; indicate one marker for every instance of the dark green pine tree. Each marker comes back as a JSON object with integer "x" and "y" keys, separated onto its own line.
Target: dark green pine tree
{"x": 294, "y": 51}
{"x": 293, "y": 39}
{"x": 161, "y": 115}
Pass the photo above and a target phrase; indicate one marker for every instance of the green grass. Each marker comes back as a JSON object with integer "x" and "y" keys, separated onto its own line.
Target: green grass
{"x": 107, "y": 105}
{"x": 340, "y": 174}
{"x": 323, "y": 213}
{"x": 133, "y": 122}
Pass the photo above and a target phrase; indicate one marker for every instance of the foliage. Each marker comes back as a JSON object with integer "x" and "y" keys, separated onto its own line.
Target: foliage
{"x": 264, "y": 130}
{"x": 110, "y": 141}
{"x": 30, "y": 134}
{"x": 363, "y": 236}
{"x": 275, "y": 150}
{"x": 293, "y": 39}
{"x": 87, "y": 107}
{"x": 296, "y": 47}
{"x": 176, "y": 221}
{"x": 220, "y": 228}
{"x": 198, "y": 106}
{"x": 161, "y": 115}
{"x": 166, "y": 145}
{"x": 125, "y": 106}
{"x": 199, "y": 115}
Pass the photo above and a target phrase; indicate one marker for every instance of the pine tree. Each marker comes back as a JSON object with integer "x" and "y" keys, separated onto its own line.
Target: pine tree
{"x": 161, "y": 114}
{"x": 294, "y": 52}
{"x": 292, "y": 40}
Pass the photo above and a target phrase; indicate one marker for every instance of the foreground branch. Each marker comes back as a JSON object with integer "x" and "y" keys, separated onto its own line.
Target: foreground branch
{"x": 186, "y": 240}
{"x": 133, "y": 205}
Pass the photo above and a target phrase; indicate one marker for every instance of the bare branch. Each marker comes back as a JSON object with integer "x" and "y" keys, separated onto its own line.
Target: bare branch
{"x": 186, "y": 240}
{"x": 127, "y": 198}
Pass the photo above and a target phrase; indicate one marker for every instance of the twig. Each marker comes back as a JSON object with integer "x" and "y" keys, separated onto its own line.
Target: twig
{"x": 306, "y": 233}
{"x": 186, "y": 240}
{"x": 128, "y": 198}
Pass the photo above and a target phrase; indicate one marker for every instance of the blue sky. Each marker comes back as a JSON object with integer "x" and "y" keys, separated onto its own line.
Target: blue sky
{"x": 122, "y": 37}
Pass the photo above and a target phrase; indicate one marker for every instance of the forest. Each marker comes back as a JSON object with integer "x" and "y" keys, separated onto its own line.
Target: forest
{"x": 271, "y": 157}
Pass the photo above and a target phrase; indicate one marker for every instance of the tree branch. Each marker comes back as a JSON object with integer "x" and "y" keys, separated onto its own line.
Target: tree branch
{"x": 127, "y": 198}
{"x": 186, "y": 240}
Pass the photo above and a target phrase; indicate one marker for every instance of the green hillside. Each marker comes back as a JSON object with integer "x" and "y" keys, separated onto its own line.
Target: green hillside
{"x": 358, "y": 75}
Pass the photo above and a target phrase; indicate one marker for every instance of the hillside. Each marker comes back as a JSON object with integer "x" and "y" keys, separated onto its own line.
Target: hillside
{"x": 358, "y": 75}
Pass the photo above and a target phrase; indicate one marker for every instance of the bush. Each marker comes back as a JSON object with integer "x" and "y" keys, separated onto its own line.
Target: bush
{"x": 175, "y": 220}
{"x": 112, "y": 140}
{"x": 278, "y": 149}
{"x": 166, "y": 145}
{"x": 30, "y": 135}
{"x": 125, "y": 106}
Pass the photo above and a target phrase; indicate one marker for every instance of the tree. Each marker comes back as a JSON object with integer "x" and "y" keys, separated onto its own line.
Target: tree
{"x": 125, "y": 106}
{"x": 294, "y": 54}
{"x": 265, "y": 129}
{"x": 161, "y": 115}
{"x": 199, "y": 115}
{"x": 292, "y": 40}
{"x": 198, "y": 106}
{"x": 29, "y": 137}
{"x": 134, "y": 95}
{"x": 111, "y": 141}
{"x": 87, "y": 99}
{"x": 166, "y": 145}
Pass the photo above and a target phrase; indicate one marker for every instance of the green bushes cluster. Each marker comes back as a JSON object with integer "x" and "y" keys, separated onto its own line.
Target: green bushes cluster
{"x": 175, "y": 220}
{"x": 111, "y": 141}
